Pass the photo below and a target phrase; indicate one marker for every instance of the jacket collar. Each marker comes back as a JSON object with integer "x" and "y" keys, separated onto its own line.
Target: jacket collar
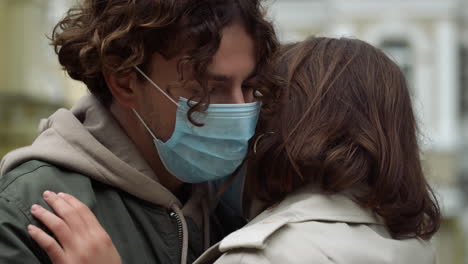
{"x": 305, "y": 205}
{"x": 310, "y": 204}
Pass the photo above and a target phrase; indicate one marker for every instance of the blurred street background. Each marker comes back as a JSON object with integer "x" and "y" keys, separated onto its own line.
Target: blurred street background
{"x": 427, "y": 38}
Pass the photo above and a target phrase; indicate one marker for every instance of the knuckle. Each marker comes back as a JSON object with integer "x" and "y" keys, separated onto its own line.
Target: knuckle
{"x": 83, "y": 257}
{"x": 81, "y": 208}
{"x": 67, "y": 213}
{"x": 94, "y": 249}
{"x": 58, "y": 226}
{"x": 49, "y": 246}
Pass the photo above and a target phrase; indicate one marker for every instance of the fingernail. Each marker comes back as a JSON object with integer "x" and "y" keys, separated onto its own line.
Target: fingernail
{"x": 46, "y": 194}
{"x": 35, "y": 207}
{"x": 62, "y": 195}
{"x": 30, "y": 228}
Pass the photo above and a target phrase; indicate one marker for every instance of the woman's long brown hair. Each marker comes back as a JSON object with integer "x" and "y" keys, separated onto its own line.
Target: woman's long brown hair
{"x": 345, "y": 122}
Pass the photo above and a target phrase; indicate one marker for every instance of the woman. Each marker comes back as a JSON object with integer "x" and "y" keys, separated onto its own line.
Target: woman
{"x": 335, "y": 170}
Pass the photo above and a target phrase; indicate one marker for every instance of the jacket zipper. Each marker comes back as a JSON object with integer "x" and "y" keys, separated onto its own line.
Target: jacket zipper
{"x": 179, "y": 230}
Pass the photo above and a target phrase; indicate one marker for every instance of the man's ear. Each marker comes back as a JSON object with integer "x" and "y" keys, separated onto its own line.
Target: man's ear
{"x": 122, "y": 87}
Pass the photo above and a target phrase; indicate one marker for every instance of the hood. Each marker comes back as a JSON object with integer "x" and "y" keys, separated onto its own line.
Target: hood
{"x": 88, "y": 140}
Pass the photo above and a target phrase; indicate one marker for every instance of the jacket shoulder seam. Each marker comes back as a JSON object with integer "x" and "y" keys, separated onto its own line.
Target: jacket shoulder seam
{"x": 14, "y": 198}
{"x": 16, "y": 177}
{"x": 16, "y": 204}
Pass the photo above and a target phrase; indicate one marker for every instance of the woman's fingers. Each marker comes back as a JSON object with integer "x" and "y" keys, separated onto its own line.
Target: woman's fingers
{"x": 82, "y": 239}
{"x": 48, "y": 243}
{"x": 67, "y": 212}
{"x": 53, "y": 222}
{"x": 94, "y": 228}
{"x": 86, "y": 214}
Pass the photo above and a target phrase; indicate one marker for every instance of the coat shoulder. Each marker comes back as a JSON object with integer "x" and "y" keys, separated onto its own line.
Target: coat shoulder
{"x": 340, "y": 242}
{"x": 322, "y": 242}
{"x": 26, "y": 183}
{"x": 274, "y": 240}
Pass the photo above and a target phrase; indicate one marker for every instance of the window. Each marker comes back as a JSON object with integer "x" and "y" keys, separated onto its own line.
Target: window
{"x": 464, "y": 81}
{"x": 400, "y": 51}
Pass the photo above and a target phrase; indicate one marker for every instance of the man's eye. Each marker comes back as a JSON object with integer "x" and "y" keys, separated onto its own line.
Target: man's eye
{"x": 209, "y": 89}
{"x": 193, "y": 87}
{"x": 213, "y": 88}
{"x": 247, "y": 86}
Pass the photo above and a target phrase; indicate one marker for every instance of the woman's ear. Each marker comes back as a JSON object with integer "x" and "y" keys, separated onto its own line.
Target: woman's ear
{"x": 122, "y": 87}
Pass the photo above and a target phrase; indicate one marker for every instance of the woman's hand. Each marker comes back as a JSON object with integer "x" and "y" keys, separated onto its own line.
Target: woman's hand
{"x": 82, "y": 239}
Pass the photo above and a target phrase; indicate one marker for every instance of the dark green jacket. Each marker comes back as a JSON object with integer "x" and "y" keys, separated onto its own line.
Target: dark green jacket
{"x": 85, "y": 152}
{"x": 141, "y": 232}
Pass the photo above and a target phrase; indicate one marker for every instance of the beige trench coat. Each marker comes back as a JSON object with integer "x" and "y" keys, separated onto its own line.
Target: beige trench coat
{"x": 309, "y": 227}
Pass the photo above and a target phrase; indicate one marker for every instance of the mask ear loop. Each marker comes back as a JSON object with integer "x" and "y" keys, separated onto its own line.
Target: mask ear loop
{"x": 157, "y": 86}
{"x": 144, "y": 124}
{"x": 162, "y": 91}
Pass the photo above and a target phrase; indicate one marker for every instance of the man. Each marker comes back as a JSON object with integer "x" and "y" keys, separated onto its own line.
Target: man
{"x": 171, "y": 106}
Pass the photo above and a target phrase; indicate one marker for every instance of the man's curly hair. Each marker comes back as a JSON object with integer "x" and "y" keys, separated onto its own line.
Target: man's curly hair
{"x": 116, "y": 35}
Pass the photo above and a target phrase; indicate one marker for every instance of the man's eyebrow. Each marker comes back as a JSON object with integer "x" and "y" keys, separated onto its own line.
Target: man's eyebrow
{"x": 224, "y": 78}
{"x": 218, "y": 77}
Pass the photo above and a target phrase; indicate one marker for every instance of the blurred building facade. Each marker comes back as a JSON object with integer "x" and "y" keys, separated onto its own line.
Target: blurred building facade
{"x": 32, "y": 86}
{"x": 464, "y": 113}
{"x": 429, "y": 40}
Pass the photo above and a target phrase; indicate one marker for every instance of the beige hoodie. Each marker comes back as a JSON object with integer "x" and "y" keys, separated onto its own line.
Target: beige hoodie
{"x": 89, "y": 141}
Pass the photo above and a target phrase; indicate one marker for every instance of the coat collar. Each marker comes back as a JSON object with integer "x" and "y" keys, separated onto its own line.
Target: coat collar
{"x": 310, "y": 204}
{"x": 307, "y": 204}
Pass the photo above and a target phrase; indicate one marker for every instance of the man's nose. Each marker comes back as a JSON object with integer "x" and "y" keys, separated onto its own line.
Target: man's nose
{"x": 237, "y": 96}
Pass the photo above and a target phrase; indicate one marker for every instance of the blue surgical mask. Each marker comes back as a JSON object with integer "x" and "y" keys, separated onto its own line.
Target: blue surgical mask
{"x": 210, "y": 152}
